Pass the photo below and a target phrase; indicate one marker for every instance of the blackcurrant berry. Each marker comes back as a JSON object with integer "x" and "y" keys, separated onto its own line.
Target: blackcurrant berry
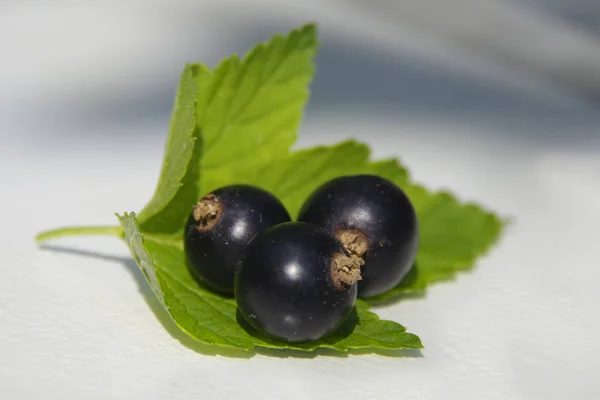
{"x": 296, "y": 283}
{"x": 374, "y": 220}
{"x": 221, "y": 225}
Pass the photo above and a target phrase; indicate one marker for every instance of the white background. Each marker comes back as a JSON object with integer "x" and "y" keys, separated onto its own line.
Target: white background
{"x": 85, "y": 94}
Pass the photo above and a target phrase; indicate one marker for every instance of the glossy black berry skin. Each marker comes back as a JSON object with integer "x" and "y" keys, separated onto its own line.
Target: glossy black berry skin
{"x": 284, "y": 287}
{"x": 379, "y": 210}
{"x": 214, "y": 244}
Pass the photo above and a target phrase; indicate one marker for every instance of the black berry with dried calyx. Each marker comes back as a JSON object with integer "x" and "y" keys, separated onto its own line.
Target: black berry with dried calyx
{"x": 220, "y": 225}
{"x": 296, "y": 283}
{"x": 376, "y": 222}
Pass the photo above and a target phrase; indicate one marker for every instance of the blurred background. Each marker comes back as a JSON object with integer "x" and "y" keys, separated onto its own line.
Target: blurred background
{"x": 71, "y": 71}
{"x": 498, "y": 100}
{"x": 84, "y": 82}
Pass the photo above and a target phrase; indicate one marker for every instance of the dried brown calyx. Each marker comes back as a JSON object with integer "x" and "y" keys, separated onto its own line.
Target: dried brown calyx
{"x": 355, "y": 242}
{"x": 207, "y": 212}
{"x": 345, "y": 270}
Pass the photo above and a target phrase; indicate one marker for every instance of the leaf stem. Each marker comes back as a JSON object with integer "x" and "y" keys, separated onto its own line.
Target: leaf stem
{"x": 79, "y": 231}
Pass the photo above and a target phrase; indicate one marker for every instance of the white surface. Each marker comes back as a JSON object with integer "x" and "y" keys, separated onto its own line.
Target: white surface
{"x": 523, "y": 325}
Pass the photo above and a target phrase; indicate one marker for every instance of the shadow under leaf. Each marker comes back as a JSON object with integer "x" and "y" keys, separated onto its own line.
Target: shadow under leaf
{"x": 159, "y": 311}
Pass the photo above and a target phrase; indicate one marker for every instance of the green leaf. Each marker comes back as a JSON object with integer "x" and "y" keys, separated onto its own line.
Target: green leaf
{"x": 250, "y": 111}
{"x": 452, "y": 234}
{"x": 212, "y": 319}
{"x": 178, "y": 182}
{"x": 229, "y": 123}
